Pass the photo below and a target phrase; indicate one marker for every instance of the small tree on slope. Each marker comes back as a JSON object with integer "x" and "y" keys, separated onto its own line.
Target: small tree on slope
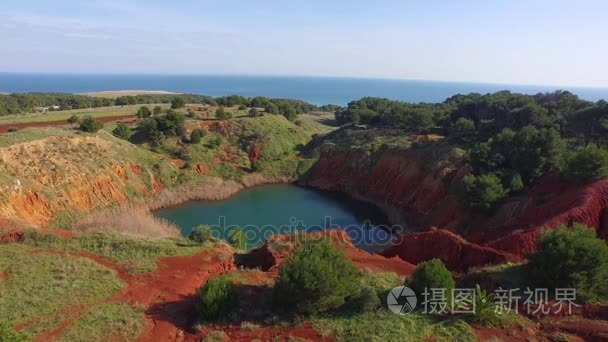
{"x": 316, "y": 278}
{"x": 571, "y": 258}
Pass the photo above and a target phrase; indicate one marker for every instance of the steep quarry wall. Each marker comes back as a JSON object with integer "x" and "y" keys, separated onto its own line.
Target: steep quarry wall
{"x": 396, "y": 179}
{"x": 405, "y": 180}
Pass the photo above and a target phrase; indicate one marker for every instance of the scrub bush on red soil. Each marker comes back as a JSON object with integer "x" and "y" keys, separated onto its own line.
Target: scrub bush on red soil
{"x": 316, "y": 278}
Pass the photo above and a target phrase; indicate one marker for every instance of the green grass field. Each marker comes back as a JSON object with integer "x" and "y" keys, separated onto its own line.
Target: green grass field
{"x": 387, "y": 326}
{"x": 107, "y": 322}
{"x": 40, "y": 285}
{"x": 138, "y": 255}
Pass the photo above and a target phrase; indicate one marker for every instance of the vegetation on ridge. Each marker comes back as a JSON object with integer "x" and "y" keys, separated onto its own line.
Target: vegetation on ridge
{"x": 511, "y": 139}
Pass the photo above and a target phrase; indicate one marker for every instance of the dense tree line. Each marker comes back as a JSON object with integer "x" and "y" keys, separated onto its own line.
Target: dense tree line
{"x": 28, "y": 102}
{"x": 511, "y": 139}
{"x": 289, "y": 108}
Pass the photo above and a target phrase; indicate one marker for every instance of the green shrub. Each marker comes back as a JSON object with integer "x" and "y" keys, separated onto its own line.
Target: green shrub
{"x": 316, "y": 278}
{"x": 571, "y": 258}
{"x": 222, "y": 114}
{"x": 7, "y": 334}
{"x": 200, "y": 234}
{"x": 586, "y": 164}
{"x": 157, "y": 110}
{"x": 288, "y": 111}
{"x": 463, "y": 130}
{"x": 74, "y": 119}
{"x": 90, "y": 124}
{"x": 516, "y": 184}
{"x": 143, "y": 112}
{"x": 216, "y": 298}
{"x": 216, "y": 142}
{"x": 238, "y": 239}
{"x": 197, "y": 135}
{"x": 485, "y": 309}
{"x": 271, "y": 108}
{"x": 242, "y": 107}
{"x": 122, "y": 131}
{"x": 482, "y": 192}
{"x": 253, "y": 112}
{"x": 368, "y": 301}
{"x": 178, "y": 102}
{"x": 432, "y": 274}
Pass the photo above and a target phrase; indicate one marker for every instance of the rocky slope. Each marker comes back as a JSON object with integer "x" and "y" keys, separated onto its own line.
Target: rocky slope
{"x": 55, "y": 178}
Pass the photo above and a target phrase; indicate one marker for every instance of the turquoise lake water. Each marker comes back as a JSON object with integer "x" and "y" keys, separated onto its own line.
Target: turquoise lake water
{"x": 266, "y": 210}
{"x": 317, "y": 90}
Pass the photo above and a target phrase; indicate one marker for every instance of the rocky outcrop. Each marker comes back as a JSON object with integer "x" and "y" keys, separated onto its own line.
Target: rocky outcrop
{"x": 457, "y": 253}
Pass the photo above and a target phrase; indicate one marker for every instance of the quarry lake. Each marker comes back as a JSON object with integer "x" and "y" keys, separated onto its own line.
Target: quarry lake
{"x": 266, "y": 210}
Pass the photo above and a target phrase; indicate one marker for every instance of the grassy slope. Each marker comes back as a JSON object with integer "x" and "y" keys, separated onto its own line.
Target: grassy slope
{"x": 53, "y": 161}
{"x": 39, "y": 286}
{"x": 42, "y": 289}
{"x": 137, "y": 255}
{"x": 386, "y": 326}
{"x": 105, "y": 322}
{"x": 229, "y": 160}
{"x": 383, "y": 325}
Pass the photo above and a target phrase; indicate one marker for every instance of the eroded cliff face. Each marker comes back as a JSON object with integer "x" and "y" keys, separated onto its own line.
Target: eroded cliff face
{"x": 549, "y": 204}
{"x": 395, "y": 179}
{"x": 46, "y": 179}
{"x": 406, "y": 180}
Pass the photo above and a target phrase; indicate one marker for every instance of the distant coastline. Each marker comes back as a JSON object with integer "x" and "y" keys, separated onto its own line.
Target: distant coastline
{"x": 316, "y": 90}
{"x": 117, "y": 93}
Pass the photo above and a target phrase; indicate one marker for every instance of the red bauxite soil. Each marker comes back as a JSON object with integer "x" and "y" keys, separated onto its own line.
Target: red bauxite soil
{"x": 457, "y": 253}
{"x": 268, "y": 259}
{"x": 4, "y": 127}
{"x": 167, "y": 293}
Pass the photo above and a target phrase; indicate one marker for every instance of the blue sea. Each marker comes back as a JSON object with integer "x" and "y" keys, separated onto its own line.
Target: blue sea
{"x": 316, "y": 90}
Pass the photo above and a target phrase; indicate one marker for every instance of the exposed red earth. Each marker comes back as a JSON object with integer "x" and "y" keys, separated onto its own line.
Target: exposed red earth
{"x": 457, "y": 253}
{"x": 105, "y": 119}
{"x": 168, "y": 293}
{"x": 277, "y": 249}
{"x": 401, "y": 181}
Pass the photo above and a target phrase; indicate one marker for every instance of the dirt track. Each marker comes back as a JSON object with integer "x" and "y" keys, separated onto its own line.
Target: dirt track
{"x": 4, "y": 127}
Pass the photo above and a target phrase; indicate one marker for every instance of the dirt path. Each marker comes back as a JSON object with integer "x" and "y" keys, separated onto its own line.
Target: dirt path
{"x": 105, "y": 119}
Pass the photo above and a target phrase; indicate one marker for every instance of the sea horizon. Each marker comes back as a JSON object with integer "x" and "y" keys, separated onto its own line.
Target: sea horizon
{"x": 318, "y": 90}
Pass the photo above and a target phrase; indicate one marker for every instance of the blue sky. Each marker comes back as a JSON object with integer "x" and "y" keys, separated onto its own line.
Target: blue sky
{"x": 524, "y": 42}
